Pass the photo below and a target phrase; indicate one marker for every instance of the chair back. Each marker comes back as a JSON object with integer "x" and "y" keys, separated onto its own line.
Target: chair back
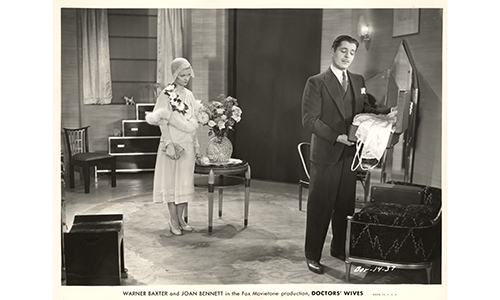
{"x": 304, "y": 149}
{"x": 77, "y": 140}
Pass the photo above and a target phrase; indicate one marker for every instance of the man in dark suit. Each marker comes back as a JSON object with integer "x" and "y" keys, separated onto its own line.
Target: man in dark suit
{"x": 330, "y": 101}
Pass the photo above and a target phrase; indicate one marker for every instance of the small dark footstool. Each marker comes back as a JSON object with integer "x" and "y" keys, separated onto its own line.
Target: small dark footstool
{"x": 93, "y": 250}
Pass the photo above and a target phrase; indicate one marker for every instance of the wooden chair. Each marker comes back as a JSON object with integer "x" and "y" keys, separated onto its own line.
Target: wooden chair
{"x": 304, "y": 150}
{"x": 77, "y": 143}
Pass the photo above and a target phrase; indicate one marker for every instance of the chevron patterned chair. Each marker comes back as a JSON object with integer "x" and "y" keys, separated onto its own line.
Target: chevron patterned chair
{"x": 392, "y": 235}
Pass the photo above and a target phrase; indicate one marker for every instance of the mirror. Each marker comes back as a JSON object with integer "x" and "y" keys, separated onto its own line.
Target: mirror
{"x": 398, "y": 86}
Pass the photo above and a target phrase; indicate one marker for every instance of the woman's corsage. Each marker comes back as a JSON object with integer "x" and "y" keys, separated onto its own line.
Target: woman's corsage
{"x": 363, "y": 91}
{"x": 176, "y": 102}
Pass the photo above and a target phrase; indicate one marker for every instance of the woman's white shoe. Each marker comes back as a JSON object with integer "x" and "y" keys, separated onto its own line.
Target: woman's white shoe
{"x": 186, "y": 227}
{"x": 174, "y": 230}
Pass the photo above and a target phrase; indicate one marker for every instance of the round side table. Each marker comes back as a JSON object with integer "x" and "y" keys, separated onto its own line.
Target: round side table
{"x": 221, "y": 177}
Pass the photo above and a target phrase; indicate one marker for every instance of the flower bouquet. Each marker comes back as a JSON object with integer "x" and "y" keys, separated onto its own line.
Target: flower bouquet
{"x": 220, "y": 117}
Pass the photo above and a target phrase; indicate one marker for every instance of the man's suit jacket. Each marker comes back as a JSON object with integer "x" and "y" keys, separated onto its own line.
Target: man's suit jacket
{"x": 323, "y": 113}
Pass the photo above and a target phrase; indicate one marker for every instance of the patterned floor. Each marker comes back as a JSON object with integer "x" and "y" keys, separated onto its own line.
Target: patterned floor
{"x": 268, "y": 251}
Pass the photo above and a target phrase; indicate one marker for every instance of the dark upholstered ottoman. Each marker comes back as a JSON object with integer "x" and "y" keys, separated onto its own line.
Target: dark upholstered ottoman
{"x": 93, "y": 250}
{"x": 394, "y": 235}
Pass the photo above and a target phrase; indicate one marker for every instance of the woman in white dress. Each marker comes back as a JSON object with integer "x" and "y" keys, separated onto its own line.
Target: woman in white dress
{"x": 175, "y": 112}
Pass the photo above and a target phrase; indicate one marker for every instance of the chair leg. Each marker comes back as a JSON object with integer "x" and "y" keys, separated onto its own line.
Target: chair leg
{"x": 428, "y": 270}
{"x": 367, "y": 186}
{"x": 86, "y": 178}
{"x": 347, "y": 271}
{"x": 95, "y": 176}
{"x": 113, "y": 172}
{"x": 220, "y": 202}
{"x": 300, "y": 196}
{"x": 71, "y": 176}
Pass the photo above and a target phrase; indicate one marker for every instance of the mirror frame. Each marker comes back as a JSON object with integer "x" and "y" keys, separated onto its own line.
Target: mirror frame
{"x": 409, "y": 135}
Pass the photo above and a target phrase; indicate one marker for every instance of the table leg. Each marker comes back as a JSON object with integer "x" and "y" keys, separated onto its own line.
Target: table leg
{"x": 220, "y": 202}
{"x": 211, "y": 182}
{"x": 86, "y": 178}
{"x": 247, "y": 194}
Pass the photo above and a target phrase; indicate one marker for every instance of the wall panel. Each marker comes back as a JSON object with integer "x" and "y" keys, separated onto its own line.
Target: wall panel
{"x": 123, "y": 23}
{"x": 133, "y": 43}
{"x": 276, "y": 51}
{"x": 208, "y": 55}
{"x": 122, "y": 47}
{"x": 335, "y": 22}
{"x": 133, "y": 71}
{"x": 70, "y": 93}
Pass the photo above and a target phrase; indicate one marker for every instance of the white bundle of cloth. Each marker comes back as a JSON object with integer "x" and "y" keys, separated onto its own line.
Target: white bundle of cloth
{"x": 373, "y": 136}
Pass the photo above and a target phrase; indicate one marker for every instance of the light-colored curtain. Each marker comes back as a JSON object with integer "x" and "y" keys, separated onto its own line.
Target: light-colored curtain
{"x": 95, "y": 54}
{"x": 170, "y": 42}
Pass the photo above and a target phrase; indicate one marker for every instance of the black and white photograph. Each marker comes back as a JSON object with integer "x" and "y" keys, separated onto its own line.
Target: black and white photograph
{"x": 249, "y": 152}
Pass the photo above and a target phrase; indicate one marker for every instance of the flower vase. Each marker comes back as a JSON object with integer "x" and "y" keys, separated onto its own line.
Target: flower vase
{"x": 219, "y": 149}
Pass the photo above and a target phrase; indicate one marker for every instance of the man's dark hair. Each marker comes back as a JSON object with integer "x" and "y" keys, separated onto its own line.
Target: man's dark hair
{"x": 342, "y": 38}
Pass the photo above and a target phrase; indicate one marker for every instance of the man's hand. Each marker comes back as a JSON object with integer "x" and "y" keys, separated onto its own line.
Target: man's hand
{"x": 343, "y": 139}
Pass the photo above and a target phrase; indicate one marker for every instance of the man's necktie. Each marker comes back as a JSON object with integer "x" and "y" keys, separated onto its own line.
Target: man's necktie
{"x": 344, "y": 81}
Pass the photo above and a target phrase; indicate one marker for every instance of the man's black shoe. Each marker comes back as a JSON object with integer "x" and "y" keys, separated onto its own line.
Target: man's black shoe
{"x": 315, "y": 266}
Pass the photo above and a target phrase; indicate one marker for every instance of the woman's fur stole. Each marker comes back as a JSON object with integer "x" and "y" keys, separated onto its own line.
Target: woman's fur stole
{"x": 175, "y": 119}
